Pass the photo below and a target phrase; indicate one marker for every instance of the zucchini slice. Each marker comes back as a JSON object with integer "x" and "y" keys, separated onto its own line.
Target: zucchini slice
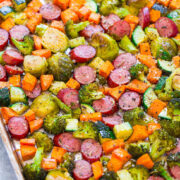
{"x": 86, "y": 109}
{"x": 71, "y": 125}
{"x": 166, "y": 66}
{"x": 91, "y": 4}
{"x": 163, "y": 115}
{"x": 19, "y": 5}
{"x": 19, "y": 107}
{"x": 4, "y": 97}
{"x": 6, "y": 11}
{"x": 160, "y": 85}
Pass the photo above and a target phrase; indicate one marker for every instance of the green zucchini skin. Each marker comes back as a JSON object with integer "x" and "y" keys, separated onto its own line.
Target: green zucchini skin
{"x": 4, "y": 97}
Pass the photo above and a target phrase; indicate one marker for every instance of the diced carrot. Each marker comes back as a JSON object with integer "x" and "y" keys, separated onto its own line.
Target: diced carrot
{"x": 72, "y": 83}
{"x": 37, "y": 42}
{"x": 15, "y": 80}
{"x": 94, "y": 18}
{"x": 42, "y": 52}
{"x": 106, "y": 69}
{"x": 35, "y": 5}
{"x": 111, "y": 145}
{"x": 176, "y": 61}
{"x": 174, "y": 4}
{"x": 63, "y": 4}
{"x": 145, "y": 49}
{"x": 28, "y": 142}
{"x": 30, "y": 12}
{"x": 29, "y": 82}
{"x": 35, "y": 125}
{"x": 8, "y": 24}
{"x": 6, "y": 3}
{"x": 154, "y": 75}
{"x": 152, "y": 25}
{"x": 131, "y": 19}
{"x": 30, "y": 115}
{"x": 75, "y": 9}
{"x": 152, "y": 127}
{"x": 97, "y": 169}
{"x": 58, "y": 25}
{"x": 76, "y": 3}
{"x": 69, "y": 14}
{"x": 8, "y": 113}
{"x": 46, "y": 81}
{"x": 151, "y": 3}
{"x": 4, "y": 84}
{"x": 138, "y": 86}
{"x": 58, "y": 153}
{"x": 139, "y": 133}
{"x": 105, "y": 90}
{"x": 145, "y": 161}
{"x": 154, "y": 15}
{"x": 114, "y": 164}
{"x": 146, "y": 60}
{"x": 156, "y": 107}
{"x": 27, "y": 152}
{"x": 117, "y": 92}
{"x": 84, "y": 13}
{"x": 49, "y": 164}
{"x": 164, "y": 2}
{"x": 97, "y": 116}
{"x": 132, "y": 28}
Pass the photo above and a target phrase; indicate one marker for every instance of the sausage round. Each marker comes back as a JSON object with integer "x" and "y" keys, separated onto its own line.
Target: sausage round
{"x": 18, "y": 127}
{"x": 91, "y": 150}
{"x": 129, "y": 100}
{"x": 83, "y": 53}
{"x": 119, "y": 77}
{"x": 4, "y": 36}
{"x": 68, "y": 142}
{"x": 175, "y": 171}
{"x": 113, "y": 120}
{"x": 85, "y": 74}
{"x": 12, "y": 57}
{"x": 82, "y": 170}
{"x": 125, "y": 61}
{"x": 166, "y": 27}
{"x": 13, "y": 70}
{"x": 119, "y": 29}
{"x": 69, "y": 97}
{"x": 50, "y": 12}
{"x": 144, "y": 17}
{"x": 35, "y": 93}
{"x": 155, "y": 178}
{"x": 3, "y": 76}
{"x": 106, "y": 105}
{"x": 18, "y": 32}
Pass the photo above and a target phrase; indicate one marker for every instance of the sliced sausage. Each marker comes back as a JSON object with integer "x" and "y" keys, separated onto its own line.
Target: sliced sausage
{"x": 35, "y": 93}
{"x": 3, "y": 76}
{"x": 91, "y": 150}
{"x": 108, "y": 21}
{"x": 129, "y": 100}
{"x": 13, "y": 70}
{"x": 50, "y": 12}
{"x": 119, "y": 29}
{"x": 106, "y": 105}
{"x": 18, "y": 32}
{"x": 12, "y": 57}
{"x": 82, "y": 170}
{"x": 175, "y": 171}
{"x": 85, "y": 74}
{"x": 125, "y": 61}
{"x": 90, "y": 30}
{"x": 18, "y": 127}
{"x": 119, "y": 77}
{"x": 177, "y": 149}
{"x": 144, "y": 17}
{"x": 69, "y": 97}
{"x": 155, "y": 178}
{"x": 68, "y": 142}
{"x": 166, "y": 27}
{"x": 83, "y": 53}
{"x": 113, "y": 120}
{"x": 4, "y": 36}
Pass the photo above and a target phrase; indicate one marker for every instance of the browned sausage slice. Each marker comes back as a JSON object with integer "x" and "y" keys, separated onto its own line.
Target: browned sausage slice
{"x": 175, "y": 171}
{"x": 113, "y": 120}
{"x": 13, "y": 70}
{"x": 91, "y": 150}
{"x": 3, "y": 76}
{"x": 144, "y": 17}
{"x": 35, "y": 93}
{"x": 4, "y": 36}
{"x": 85, "y": 74}
{"x": 155, "y": 178}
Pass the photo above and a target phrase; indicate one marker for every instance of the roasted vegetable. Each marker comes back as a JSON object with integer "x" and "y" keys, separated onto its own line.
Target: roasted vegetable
{"x": 173, "y": 159}
{"x": 101, "y": 80}
{"x": 41, "y": 29}
{"x": 110, "y": 175}
{"x": 174, "y": 107}
{"x": 56, "y": 86}
{"x": 4, "y": 97}
{"x": 176, "y": 80}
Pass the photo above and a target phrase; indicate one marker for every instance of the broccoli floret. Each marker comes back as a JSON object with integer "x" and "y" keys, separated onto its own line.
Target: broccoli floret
{"x": 86, "y": 130}
{"x": 110, "y": 175}
{"x": 90, "y": 92}
{"x": 26, "y": 46}
{"x": 55, "y": 124}
{"x": 138, "y": 71}
{"x": 174, "y": 160}
{"x": 139, "y": 173}
{"x": 161, "y": 142}
{"x": 42, "y": 140}
{"x": 174, "y": 107}
{"x": 138, "y": 149}
{"x": 101, "y": 80}
{"x": 76, "y": 113}
{"x": 34, "y": 171}
{"x": 72, "y": 30}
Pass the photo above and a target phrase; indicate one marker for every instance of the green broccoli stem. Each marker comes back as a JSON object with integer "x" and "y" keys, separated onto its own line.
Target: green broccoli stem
{"x": 80, "y": 26}
{"x": 165, "y": 174}
{"x": 38, "y": 159}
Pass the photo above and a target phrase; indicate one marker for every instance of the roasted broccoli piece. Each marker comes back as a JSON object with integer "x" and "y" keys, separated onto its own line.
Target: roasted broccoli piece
{"x": 33, "y": 171}
{"x": 138, "y": 149}
{"x": 110, "y": 175}
{"x": 174, "y": 108}
{"x": 26, "y": 46}
{"x": 86, "y": 130}
{"x": 76, "y": 113}
{"x": 42, "y": 140}
{"x": 174, "y": 160}
{"x": 104, "y": 160}
{"x": 90, "y": 92}
{"x": 139, "y": 173}
{"x": 72, "y": 30}
{"x": 101, "y": 80}
{"x": 161, "y": 142}
{"x": 139, "y": 72}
